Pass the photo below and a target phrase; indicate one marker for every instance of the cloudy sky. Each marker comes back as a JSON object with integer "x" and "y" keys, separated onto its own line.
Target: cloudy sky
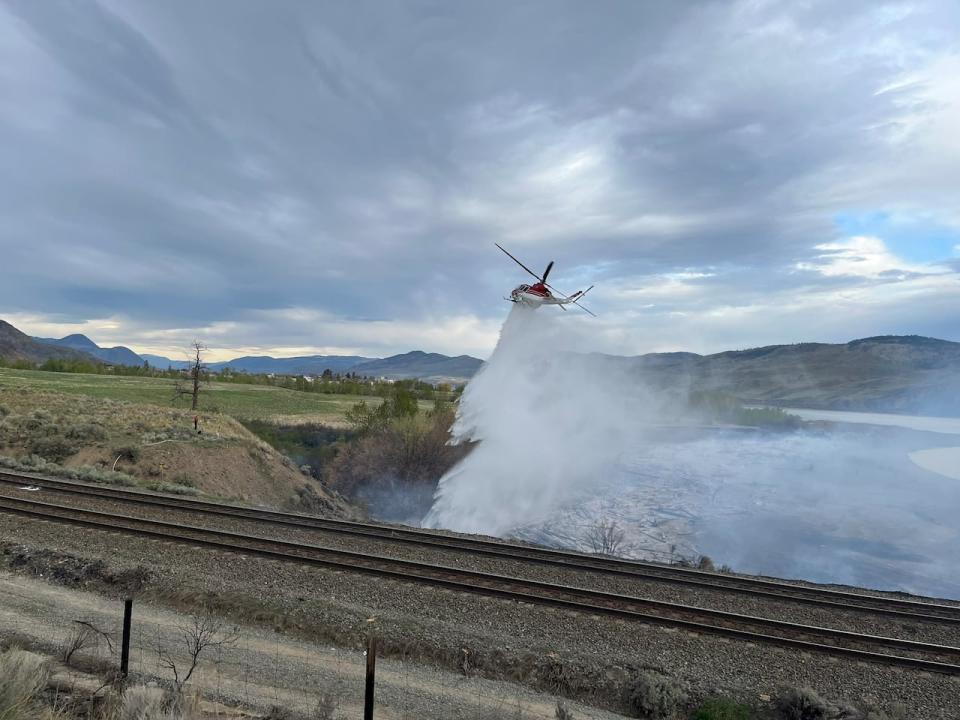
{"x": 297, "y": 177}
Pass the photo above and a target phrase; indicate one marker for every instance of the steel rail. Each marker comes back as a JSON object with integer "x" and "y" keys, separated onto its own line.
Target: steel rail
{"x": 633, "y": 569}
{"x": 529, "y": 591}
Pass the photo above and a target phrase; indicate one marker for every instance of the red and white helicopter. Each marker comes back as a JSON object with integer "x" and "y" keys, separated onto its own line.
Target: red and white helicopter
{"x": 540, "y": 292}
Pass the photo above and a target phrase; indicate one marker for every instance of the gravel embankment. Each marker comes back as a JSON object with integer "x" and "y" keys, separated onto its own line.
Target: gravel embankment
{"x": 445, "y": 623}
{"x": 860, "y": 621}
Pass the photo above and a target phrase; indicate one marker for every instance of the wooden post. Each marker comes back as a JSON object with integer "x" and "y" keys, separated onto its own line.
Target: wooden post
{"x": 125, "y": 647}
{"x": 371, "y": 672}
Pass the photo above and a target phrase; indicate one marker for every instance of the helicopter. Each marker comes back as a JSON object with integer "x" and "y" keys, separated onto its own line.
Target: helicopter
{"x": 540, "y": 293}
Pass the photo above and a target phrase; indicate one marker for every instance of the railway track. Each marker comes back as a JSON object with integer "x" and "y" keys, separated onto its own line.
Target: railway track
{"x": 806, "y": 638}
{"x": 902, "y": 609}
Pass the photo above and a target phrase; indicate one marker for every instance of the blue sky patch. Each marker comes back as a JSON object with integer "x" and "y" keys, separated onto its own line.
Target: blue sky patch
{"x": 916, "y": 238}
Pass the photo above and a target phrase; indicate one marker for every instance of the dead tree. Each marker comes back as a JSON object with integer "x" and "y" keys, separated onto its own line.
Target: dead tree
{"x": 204, "y": 633}
{"x": 196, "y": 374}
{"x": 83, "y": 636}
{"x": 605, "y": 537}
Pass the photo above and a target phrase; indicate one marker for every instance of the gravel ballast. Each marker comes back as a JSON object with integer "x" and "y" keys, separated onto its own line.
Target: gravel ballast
{"x": 861, "y": 621}
{"x": 452, "y": 626}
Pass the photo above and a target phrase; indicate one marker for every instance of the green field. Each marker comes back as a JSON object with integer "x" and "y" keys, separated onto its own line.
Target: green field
{"x": 258, "y": 402}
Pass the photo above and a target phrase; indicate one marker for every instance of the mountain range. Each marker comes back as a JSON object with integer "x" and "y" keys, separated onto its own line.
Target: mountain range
{"x": 429, "y": 367}
{"x": 894, "y": 373}
{"x": 114, "y": 356}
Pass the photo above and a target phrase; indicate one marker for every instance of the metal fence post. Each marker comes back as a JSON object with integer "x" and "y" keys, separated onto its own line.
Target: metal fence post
{"x": 125, "y": 647}
{"x": 371, "y": 672}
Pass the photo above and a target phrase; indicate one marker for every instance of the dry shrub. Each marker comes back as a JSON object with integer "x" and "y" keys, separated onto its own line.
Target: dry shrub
{"x": 54, "y": 448}
{"x": 412, "y": 450}
{"x": 23, "y": 675}
{"x": 172, "y": 488}
{"x": 308, "y": 500}
{"x": 81, "y": 637}
{"x": 325, "y": 708}
{"x": 143, "y": 703}
{"x": 605, "y": 537}
{"x": 86, "y": 473}
{"x": 128, "y": 453}
{"x": 155, "y": 703}
{"x": 86, "y": 432}
{"x": 802, "y": 704}
{"x": 654, "y": 695}
{"x": 898, "y": 711}
{"x": 278, "y": 712}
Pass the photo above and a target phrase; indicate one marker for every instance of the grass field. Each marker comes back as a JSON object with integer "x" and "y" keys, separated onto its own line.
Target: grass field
{"x": 255, "y": 402}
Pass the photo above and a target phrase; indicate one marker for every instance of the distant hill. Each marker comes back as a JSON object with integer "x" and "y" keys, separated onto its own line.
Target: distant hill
{"x": 304, "y": 365}
{"x": 162, "y": 363}
{"x": 430, "y": 367}
{"x": 907, "y": 374}
{"x": 15, "y": 345}
{"x": 114, "y": 356}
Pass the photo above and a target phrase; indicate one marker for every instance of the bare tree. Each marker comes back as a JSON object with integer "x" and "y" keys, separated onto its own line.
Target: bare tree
{"x": 83, "y": 636}
{"x": 196, "y": 375}
{"x": 605, "y": 537}
{"x": 204, "y": 633}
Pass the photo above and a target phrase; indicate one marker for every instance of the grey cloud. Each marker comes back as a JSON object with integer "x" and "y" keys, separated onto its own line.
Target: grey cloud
{"x": 211, "y": 160}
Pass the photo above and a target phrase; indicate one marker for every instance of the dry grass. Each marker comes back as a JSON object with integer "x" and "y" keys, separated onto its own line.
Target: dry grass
{"x": 99, "y": 420}
{"x": 122, "y": 443}
{"x": 154, "y": 703}
{"x": 235, "y": 400}
{"x": 23, "y": 676}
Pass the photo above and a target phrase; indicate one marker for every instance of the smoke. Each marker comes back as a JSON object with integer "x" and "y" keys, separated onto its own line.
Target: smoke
{"x": 568, "y": 438}
{"x": 550, "y": 421}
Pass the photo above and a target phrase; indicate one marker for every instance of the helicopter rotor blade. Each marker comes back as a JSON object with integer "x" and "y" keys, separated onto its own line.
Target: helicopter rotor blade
{"x": 518, "y": 262}
{"x": 583, "y": 308}
{"x": 546, "y": 272}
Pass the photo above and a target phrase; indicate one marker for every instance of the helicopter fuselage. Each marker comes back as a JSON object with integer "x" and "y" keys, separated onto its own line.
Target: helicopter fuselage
{"x": 532, "y": 295}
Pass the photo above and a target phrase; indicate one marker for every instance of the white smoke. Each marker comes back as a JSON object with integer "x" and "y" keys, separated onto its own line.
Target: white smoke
{"x": 567, "y": 437}
{"x": 550, "y": 421}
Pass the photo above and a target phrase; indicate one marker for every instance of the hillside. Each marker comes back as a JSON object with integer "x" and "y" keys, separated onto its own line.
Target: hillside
{"x": 303, "y": 365}
{"x": 907, "y": 374}
{"x": 107, "y": 441}
{"x": 15, "y": 345}
{"x": 115, "y": 356}
{"x": 430, "y": 367}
